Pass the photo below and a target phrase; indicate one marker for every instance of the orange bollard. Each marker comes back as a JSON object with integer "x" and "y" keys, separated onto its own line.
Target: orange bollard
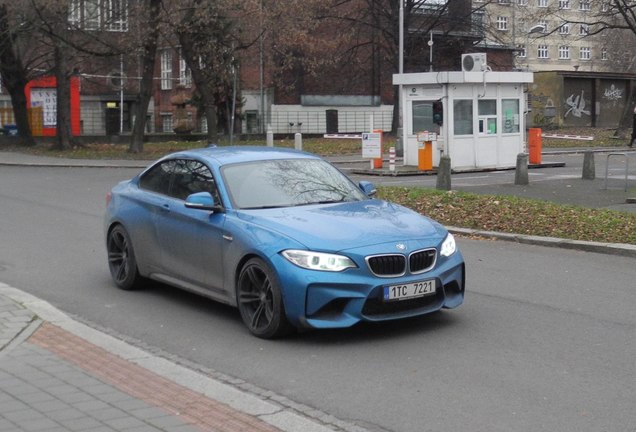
{"x": 425, "y": 156}
{"x": 534, "y": 145}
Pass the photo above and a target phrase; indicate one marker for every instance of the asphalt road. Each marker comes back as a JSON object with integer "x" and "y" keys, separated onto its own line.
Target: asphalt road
{"x": 544, "y": 342}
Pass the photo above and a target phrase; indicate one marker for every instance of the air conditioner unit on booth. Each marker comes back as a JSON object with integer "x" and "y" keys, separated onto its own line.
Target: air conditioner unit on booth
{"x": 475, "y": 62}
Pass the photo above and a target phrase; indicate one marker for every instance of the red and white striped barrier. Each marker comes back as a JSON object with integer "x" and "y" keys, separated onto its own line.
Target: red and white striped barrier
{"x": 343, "y": 136}
{"x": 392, "y": 159}
{"x": 574, "y": 137}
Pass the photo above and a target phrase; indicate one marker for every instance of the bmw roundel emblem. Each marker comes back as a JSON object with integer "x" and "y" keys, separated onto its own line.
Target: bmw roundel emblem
{"x": 400, "y": 246}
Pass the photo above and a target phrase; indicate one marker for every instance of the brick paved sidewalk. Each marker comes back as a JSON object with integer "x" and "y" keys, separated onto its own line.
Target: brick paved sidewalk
{"x": 59, "y": 375}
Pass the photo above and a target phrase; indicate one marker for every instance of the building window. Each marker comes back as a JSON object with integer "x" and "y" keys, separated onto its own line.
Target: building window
{"x": 544, "y": 24}
{"x": 487, "y": 112}
{"x": 542, "y": 3}
{"x": 522, "y": 2}
{"x": 166, "y": 122}
{"x": 185, "y": 73}
{"x": 564, "y": 28}
{"x": 605, "y": 6}
{"x": 521, "y": 51}
{"x": 74, "y": 13}
{"x": 585, "y": 53}
{"x": 604, "y": 54}
{"x": 502, "y": 23}
{"x": 422, "y": 113}
{"x": 564, "y": 52}
{"x": 166, "y": 70}
{"x": 542, "y": 52}
{"x": 92, "y": 16}
{"x": 510, "y": 108}
{"x": 116, "y": 15}
{"x": 463, "y": 116}
{"x": 564, "y": 4}
{"x": 109, "y": 15}
{"x": 584, "y": 30}
{"x": 584, "y": 5}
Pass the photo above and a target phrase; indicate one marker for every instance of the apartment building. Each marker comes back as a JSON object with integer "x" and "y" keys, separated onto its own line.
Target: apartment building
{"x": 560, "y": 35}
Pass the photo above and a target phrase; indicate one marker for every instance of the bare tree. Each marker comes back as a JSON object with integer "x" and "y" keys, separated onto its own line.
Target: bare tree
{"x": 15, "y": 75}
{"x": 150, "y": 20}
{"x": 358, "y": 41}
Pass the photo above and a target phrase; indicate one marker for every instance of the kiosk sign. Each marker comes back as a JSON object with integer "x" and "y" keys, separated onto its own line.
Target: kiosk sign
{"x": 372, "y": 145}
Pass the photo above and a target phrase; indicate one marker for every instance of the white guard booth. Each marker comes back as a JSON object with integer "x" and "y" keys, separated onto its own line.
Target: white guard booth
{"x": 480, "y": 122}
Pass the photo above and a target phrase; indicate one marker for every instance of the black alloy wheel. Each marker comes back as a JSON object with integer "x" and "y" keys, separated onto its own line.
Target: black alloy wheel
{"x": 121, "y": 259}
{"x": 260, "y": 301}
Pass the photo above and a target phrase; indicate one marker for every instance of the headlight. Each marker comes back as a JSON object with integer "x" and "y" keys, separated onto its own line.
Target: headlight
{"x": 318, "y": 260}
{"x": 449, "y": 246}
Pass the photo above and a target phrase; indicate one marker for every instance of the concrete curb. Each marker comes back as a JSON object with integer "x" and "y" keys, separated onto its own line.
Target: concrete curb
{"x": 621, "y": 249}
{"x": 270, "y": 408}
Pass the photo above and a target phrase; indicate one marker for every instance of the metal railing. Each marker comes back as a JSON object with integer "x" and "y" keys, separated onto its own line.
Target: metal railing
{"x": 626, "y": 156}
{"x": 96, "y": 120}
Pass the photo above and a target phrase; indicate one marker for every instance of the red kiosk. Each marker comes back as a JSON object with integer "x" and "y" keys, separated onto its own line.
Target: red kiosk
{"x": 41, "y": 95}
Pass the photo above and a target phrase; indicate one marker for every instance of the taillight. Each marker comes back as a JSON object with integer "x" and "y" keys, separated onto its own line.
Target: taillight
{"x": 109, "y": 198}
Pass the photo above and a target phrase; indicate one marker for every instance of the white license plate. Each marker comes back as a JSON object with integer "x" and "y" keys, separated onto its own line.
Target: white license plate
{"x": 409, "y": 290}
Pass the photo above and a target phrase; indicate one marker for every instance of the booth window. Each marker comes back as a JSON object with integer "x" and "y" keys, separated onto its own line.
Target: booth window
{"x": 422, "y": 117}
{"x": 463, "y": 117}
{"x": 510, "y": 109}
{"x": 487, "y": 110}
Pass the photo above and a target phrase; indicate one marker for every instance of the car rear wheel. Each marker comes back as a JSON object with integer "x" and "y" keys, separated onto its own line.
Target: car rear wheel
{"x": 260, "y": 301}
{"x": 121, "y": 259}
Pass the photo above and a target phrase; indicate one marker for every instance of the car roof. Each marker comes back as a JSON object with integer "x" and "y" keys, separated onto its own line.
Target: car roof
{"x": 238, "y": 154}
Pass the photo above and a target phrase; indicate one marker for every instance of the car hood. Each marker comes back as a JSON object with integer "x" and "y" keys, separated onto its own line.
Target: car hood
{"x": 336, "y": 227}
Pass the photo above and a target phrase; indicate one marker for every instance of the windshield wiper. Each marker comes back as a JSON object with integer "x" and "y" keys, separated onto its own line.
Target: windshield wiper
{"x": 263, "y": 207}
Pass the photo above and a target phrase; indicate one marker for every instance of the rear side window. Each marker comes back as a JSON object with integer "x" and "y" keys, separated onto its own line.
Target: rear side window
{"x": 190, "y": 177}
{"x": 157, "y": 179}
{"x": 179, "y": 178}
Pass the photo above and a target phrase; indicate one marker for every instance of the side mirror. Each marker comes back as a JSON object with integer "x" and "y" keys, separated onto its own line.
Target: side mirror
{"x": 368, "y": 188}
{"x": 203, "y": 201}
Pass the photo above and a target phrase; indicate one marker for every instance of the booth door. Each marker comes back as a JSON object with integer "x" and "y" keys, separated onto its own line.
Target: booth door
{"x": 421, "y": 120}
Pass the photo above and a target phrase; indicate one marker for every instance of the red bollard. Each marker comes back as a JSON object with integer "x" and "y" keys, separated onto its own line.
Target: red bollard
{"x": 534, "y": 145}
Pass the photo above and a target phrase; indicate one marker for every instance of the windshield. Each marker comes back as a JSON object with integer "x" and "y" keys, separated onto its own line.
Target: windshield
{"x": 286, "y": 183}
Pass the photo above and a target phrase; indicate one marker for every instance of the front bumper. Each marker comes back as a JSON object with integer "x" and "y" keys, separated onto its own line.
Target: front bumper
{"x": 336, "y": 300}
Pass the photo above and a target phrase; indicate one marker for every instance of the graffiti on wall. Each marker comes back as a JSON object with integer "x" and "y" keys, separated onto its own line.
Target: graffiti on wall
{"x": 576, "y": 105}
{"x": 544, "y": 110}
{"x": 613, "y": 93}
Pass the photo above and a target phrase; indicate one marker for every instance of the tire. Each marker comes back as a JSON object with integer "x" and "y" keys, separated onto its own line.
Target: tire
{"x": 260, "y": 301}
{"x": 121, "y": 259}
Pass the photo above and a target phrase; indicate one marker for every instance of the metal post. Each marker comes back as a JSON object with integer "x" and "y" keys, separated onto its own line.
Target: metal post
{"x": 430, "y": 54}
{"x": 121, "y": 94}
{"x": 261, "y": 74}
{"x": 392, "y": 160}
{"x": 233, "y": 104}
{"x": 400, "y": 142}
{"x": 270, "y": 136}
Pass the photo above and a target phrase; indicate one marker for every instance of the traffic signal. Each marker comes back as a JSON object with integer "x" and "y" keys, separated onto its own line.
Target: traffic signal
{"x": 438, "y": 112}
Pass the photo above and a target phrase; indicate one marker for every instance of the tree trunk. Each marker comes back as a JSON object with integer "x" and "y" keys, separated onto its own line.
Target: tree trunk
{"x": 148, "y": 61}
{"x": 14, "y": 77}
{"x": 202, "y": 84}
{"x": 65, "y": 140}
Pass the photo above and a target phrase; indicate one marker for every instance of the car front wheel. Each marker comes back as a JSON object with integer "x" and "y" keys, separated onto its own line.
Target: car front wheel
{"x": 260, "y": 301}
{"x": 121, "y": 259}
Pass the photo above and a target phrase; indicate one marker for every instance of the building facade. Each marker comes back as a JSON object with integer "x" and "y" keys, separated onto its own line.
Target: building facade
{"x": 560, "y": 35}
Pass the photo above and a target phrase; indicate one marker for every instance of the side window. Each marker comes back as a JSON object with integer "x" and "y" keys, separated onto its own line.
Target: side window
{"x": 157, "y": 179}
{"x": 191, "y": 177}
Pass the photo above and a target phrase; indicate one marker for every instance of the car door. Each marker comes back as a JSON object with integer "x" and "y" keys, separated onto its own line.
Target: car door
{"x": 191, "y": 240}
{"x": 152, "y": 196}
